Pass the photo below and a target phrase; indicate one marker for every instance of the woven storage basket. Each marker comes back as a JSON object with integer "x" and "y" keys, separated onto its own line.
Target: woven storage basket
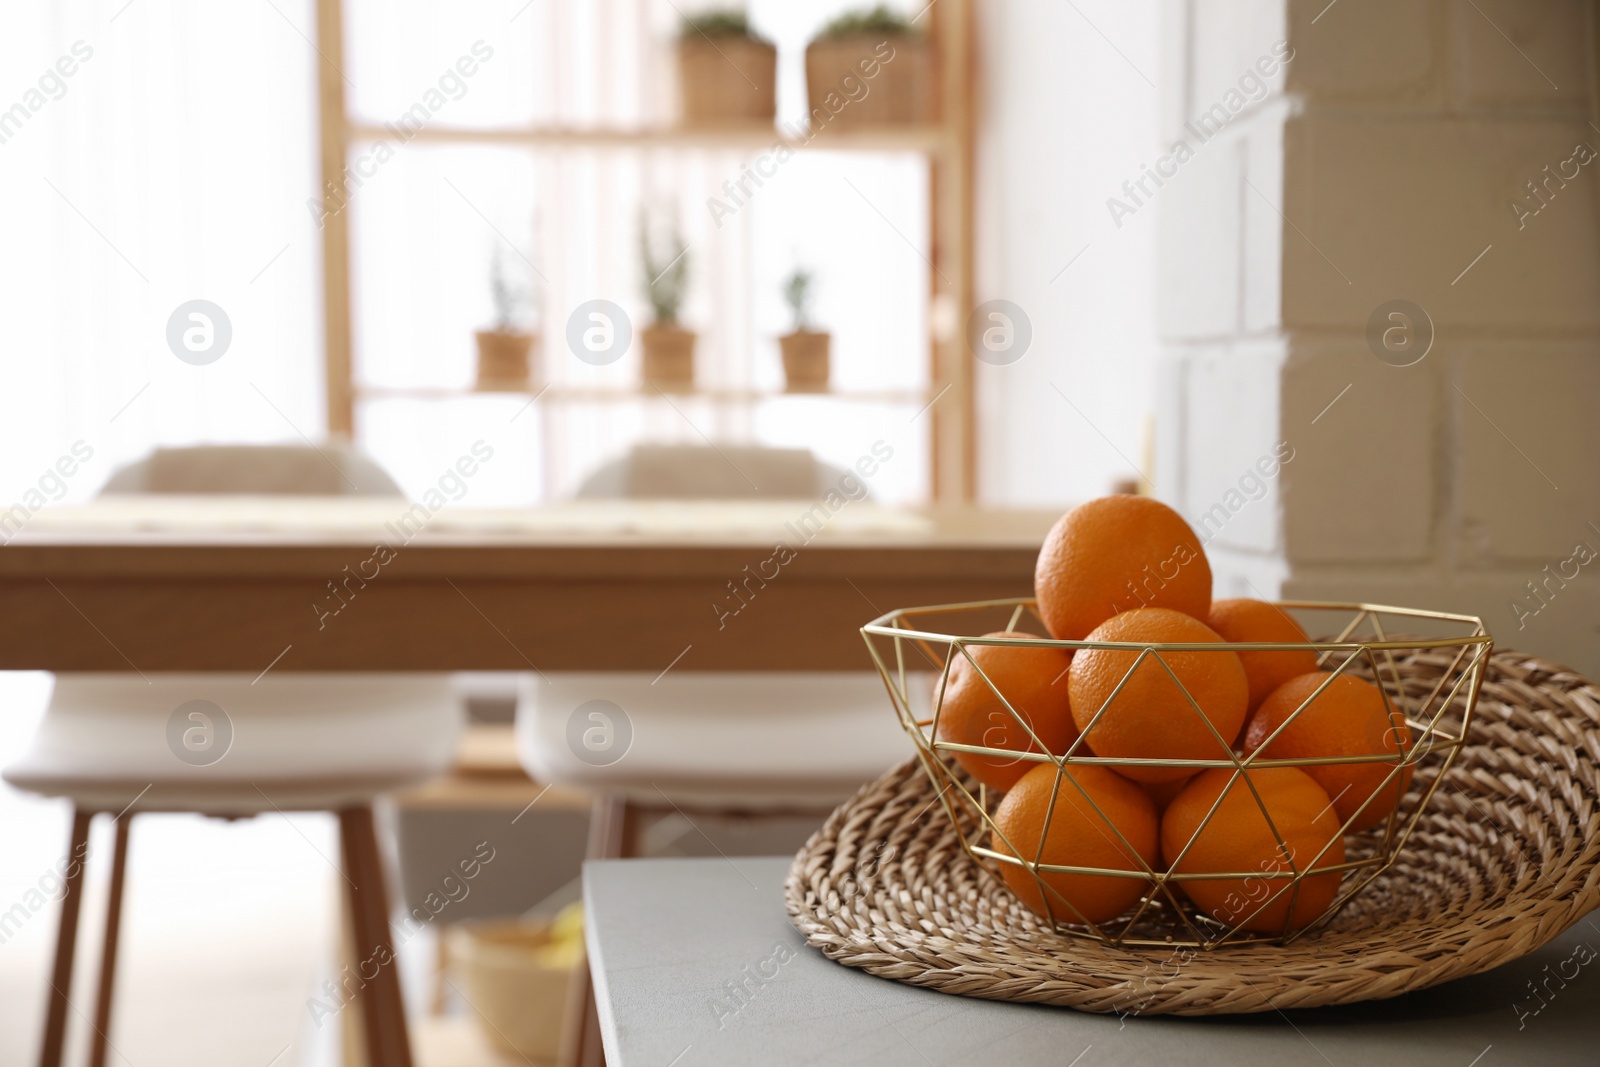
{"x": 1502, "y": 860}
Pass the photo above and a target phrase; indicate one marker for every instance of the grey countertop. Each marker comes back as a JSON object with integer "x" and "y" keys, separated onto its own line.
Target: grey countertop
{"x": 695, "y": 963}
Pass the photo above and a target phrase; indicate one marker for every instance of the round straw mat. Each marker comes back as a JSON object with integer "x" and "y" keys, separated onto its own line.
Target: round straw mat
{"x": 1502, "y": 861}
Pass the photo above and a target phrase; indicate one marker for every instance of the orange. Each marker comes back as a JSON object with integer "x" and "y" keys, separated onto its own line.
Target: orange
{"x": 1115, "y": 554}
{"x": 1238, "y": 838}
{"x": 1034, "y": 680}
{"x": 1151, "y": 718}
{"x": 1163, "y": 792}
{"x": 1348, "y": 718}
{"x": 1077, "y": 836}
{"x": 1245, "y": 620}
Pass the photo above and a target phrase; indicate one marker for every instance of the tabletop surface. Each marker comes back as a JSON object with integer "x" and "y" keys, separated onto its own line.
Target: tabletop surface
{"x": 335, "y": 584}
{"x": 223, "y": 520}
{"x": 695, "y": 963}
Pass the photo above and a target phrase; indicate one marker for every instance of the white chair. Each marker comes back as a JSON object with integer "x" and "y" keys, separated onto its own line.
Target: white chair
{"x": 703, "y": 472}
{"x": 238, "y": 745}
{"x": 738, "y": 742}
{"x": 290, "y": 742}
{"x": 757, "y": 743}
{"x": 332, "y": 469}
{"x": 754, "y": 744}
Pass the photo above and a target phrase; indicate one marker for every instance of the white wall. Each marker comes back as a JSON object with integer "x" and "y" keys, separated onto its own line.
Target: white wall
{"x": 1068, "y": 113}
{"x": 1388, "y": 164}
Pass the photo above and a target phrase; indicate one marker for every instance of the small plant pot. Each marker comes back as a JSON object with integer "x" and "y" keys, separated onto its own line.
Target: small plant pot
{"x": 729, "y": 82}
{"x": 505, "y": 360}
{"x": 668, "y": 358}
{"x": 805, "y": 361}
{"x": 868, "y": 80}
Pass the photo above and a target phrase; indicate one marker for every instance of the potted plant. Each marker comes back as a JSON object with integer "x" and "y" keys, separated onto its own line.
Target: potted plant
{"x": 668, "y": 348}
{"x": 726, "y": 74}
{"x": 868, "y": 68}
{"x": 505, "y": 351}
{"x": 805, "y": 351}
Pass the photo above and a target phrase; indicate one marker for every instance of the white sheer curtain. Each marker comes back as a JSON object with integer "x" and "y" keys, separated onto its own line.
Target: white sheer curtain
{"x": 176, "y": 160}
{"x": 171, "y": 164}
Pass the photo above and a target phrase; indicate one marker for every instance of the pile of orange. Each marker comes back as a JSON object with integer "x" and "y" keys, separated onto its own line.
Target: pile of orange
{"x": 1128, "y": 569}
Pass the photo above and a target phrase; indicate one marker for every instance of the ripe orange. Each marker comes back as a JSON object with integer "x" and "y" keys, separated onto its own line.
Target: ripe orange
{"x": 1244, "y": 620}
{"x": 1163, "y": 792}
{"x": 1034, "y": 680}
{"x": 1348, "y": 718}
{"x": 1238, "y": 838}
{"x": 1151, "y": 718}
{"x": 1077, "y": 836}
{"x": 1115, "y": 554}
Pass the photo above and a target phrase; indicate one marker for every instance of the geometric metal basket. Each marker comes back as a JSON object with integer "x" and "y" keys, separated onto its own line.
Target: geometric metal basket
{"x": 1445, "y": 657}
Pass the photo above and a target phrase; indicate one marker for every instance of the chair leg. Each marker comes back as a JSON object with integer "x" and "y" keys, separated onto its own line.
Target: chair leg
{"x": 352, "y": 1038}
{"x": 382, "y": 1009}
{"x": 55, "y": 1023}
{"x": 613, "y": 828}
{"x": 613, "y": 834}
{"x": 108, "y": 956}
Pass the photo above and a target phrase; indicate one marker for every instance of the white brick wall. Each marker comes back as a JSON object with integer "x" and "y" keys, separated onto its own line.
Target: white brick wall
{"x": 1200, "y": 250}
{"x": 1405, "y": 130}
{"x": 1564, "y": 630}
{"x": 1399, "y": 205}
{"x": 1380, "y": 51}
{"x": 1489, "y": 71}
{"x": 1232, "y": 481}
{"x": 1229, "y": 36}
{"x": 1529, "y": 447}
{"x": 1264, "y": 226}
{"x": 1363, "y": 484}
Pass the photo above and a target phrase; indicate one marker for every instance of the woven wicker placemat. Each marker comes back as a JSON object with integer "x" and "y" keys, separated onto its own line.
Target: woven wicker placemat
{"x": 1502, "y": 861}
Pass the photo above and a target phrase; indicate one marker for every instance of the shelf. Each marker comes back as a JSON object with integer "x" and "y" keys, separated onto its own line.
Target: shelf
{"x": 925, "y": 138}
{"x": 943, "y": 146}
{"x": 577, "y": 394}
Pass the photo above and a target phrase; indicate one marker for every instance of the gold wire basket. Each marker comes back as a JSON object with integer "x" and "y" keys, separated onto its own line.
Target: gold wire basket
{"x": 1436, "y": 702}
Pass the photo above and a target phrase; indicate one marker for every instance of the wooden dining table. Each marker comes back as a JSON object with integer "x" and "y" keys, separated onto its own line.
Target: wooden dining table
{"x": 328, "y": 584}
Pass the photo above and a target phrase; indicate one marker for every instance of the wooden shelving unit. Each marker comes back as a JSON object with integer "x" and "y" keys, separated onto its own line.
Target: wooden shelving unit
{"x": 947, "y": 143}
{"x": 929, "y": 139}
{"x": 608, "y": 395}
